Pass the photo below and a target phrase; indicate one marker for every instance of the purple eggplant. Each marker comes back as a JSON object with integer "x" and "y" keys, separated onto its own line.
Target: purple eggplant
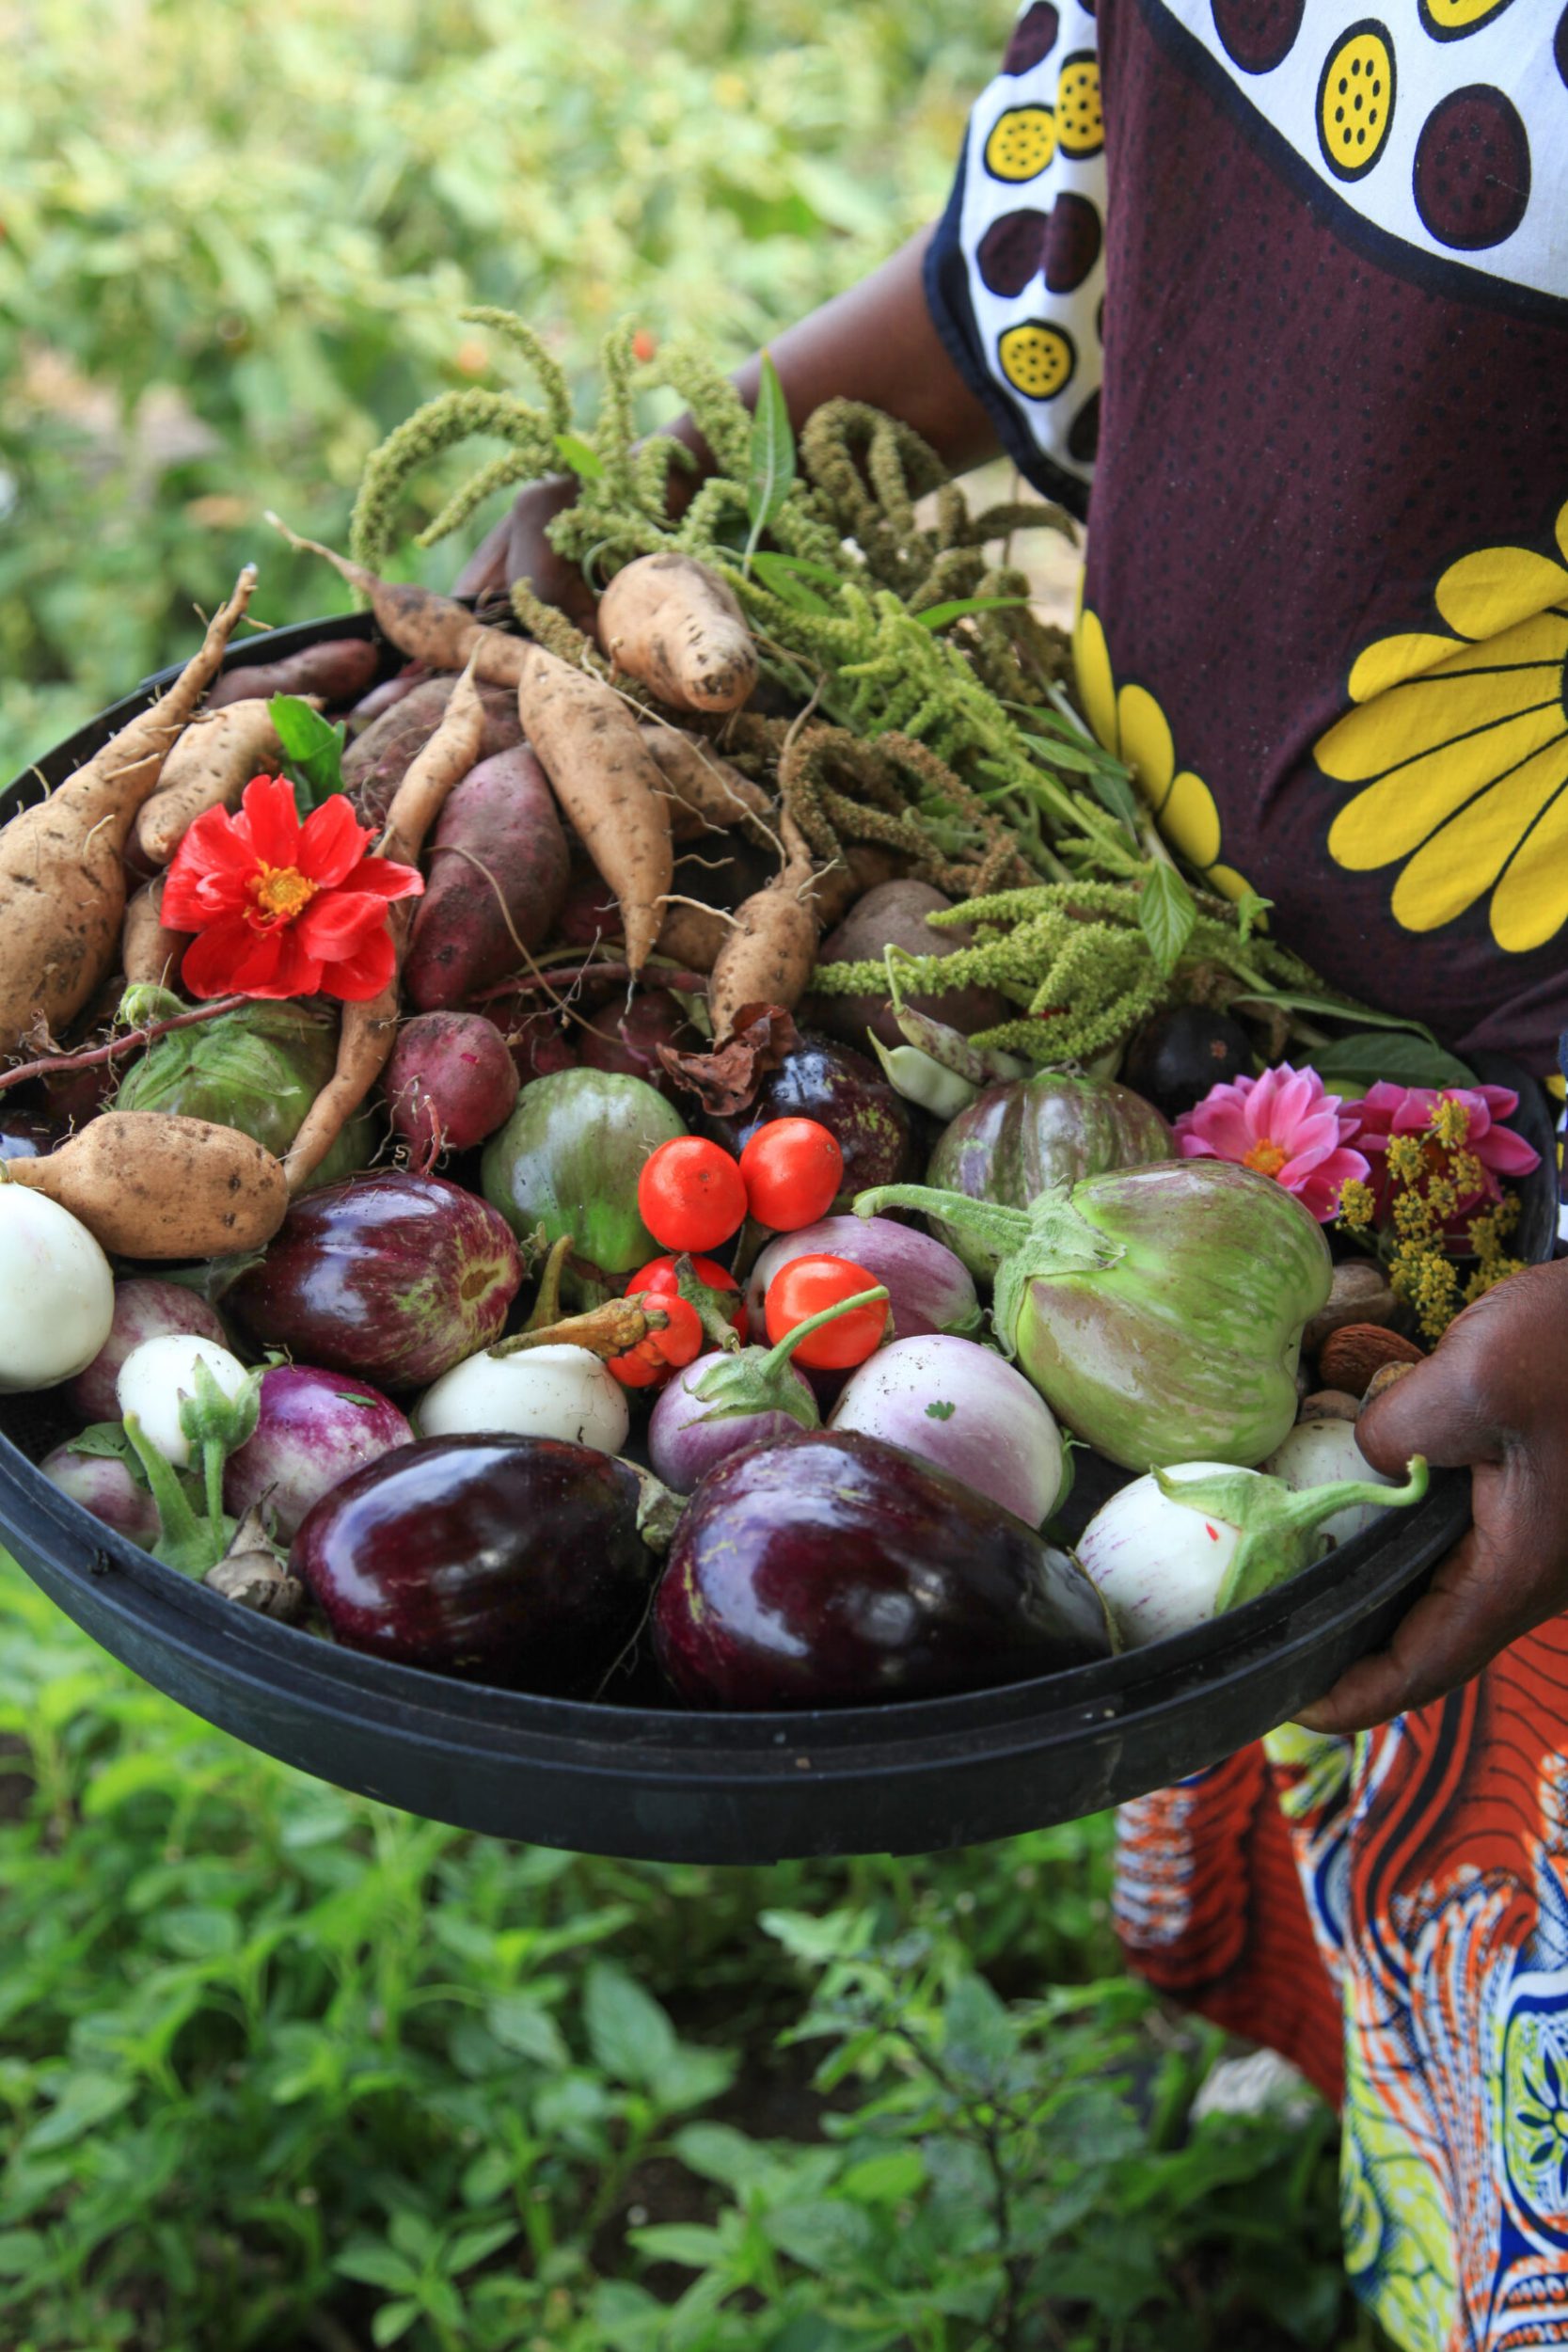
{"x": 145, "y": 1308}
{"x": 686, "y": 1440}
{"x": 29, "y": 1135}
{"x": 1014, "y": 1141}
{"x": 393, "y": 1277}
{"x": 104, "y": 1485}
{"x": 930, "y": 1289}
{"x": 845, "y": 1093}
{"x": 832, "y": 1570}
{"x": 515, "y": 1561}
{"x": 313, "y": 1430}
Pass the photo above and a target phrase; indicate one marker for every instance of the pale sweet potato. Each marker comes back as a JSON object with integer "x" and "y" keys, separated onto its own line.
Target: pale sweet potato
{"x": 498, "y": 868}
{"x": 151, "y": 1185}
{"x": 673, "y": 623}
{"x": 151, "y": 955}
{"x": 209, "y": 768}
{"x": 377, "y": 762}
{"x": 62, "y": 861}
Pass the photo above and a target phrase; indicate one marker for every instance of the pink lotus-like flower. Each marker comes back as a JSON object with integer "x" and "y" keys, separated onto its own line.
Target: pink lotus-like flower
{"x": 1389, "y": 1110}
{"x": 1282, "y": 1125}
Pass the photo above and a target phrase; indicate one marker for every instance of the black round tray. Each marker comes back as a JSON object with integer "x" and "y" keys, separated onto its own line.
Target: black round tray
{"x": 666, "y": 1785}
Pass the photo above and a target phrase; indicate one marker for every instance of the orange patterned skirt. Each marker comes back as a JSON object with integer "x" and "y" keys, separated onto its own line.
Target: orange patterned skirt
{"x": 1391, "y": 1914}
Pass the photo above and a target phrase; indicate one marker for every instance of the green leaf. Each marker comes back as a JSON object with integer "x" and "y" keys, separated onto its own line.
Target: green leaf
{"x": 1113, "y": 789}
{"x": 392, "y": 2322}
{"x": 583, "y": 461}
{"x": 107, "y": 1441}
{"x": 772, "y": 458}
{"x": 520, "y": 2025}
{"x": 935, "y": 616}
{"x": 939, "y": 1409}
{"x": 377, "y": 2265}
{"x": 84, "y": 2102}
{"x": 313, "y": 750}
{"x": 684, "y": 2242}
{"x": 21, "y": 2250}
{"x": 786, "y": 578}
{"x": 473, "y": 2246}
{"x": 1251, "y": 907}
{"x": 628, "y": 2033}
{"x": 1288, "y": 1001}
{"x": 1165, "y": 915}
{"x": 1371, "y": 1054}
{"x": 885, "y": 2180}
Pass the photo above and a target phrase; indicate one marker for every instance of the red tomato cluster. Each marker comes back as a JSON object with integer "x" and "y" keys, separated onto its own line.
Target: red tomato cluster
{"x": 694, "y": 1194}
{"x": 683, "y": 1338}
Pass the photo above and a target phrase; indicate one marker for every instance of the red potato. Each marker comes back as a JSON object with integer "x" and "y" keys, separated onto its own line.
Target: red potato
{"x": 338, "y": 671}
{"x": 377, "y": 762}
{"x": 450, "y": 1081}
{"x": 498, "y": 870}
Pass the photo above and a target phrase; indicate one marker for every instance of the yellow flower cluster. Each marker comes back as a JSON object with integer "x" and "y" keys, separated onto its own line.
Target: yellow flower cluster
{"x": 1432, "y": 1174}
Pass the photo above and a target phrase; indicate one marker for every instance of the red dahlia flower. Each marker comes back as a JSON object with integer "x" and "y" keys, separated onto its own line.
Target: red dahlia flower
{"x": 283, "y": 909}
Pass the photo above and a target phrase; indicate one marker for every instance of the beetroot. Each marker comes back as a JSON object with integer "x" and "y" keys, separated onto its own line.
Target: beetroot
{"x": 450, "y": 1081}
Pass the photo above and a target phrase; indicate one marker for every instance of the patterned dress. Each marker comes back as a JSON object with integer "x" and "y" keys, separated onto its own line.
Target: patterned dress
{"x": 1288, "y": 284}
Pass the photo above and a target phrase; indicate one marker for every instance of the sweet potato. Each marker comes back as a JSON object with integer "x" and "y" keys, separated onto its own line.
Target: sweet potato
{"x": 768, "y": 955}
{"x": 209, "y": 768}
{"x": 693, "y": 936}
{"x": 498, "y": 868}
{"x": 339, "y": 670}
{"x": 151, "y": 955}
{"x": 151, "y": 1185}
{"x": 704, "y": 789}
{"x": 377, "y": 762}
{"x": 674, "y": 625}
{"x": 369, "y": 1030}
{"x": 423, "y": 625}
{"x": 62, "y": 873}
{"x": 606, "y": 782}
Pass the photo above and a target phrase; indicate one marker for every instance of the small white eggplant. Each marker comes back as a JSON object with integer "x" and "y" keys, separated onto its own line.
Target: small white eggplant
{"x": 159, "y": 1377}
{"x": 1316, "y": 1454}
{"x": 965, "y": 1409}
{"x": 561, "y": 1392}
{"x": 1178, "y": 1547}
{"x": 56, "y": 1293}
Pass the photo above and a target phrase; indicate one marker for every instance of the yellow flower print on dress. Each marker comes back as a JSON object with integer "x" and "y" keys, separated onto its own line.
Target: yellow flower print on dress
{"x": 1461, "y": 740}
{"x": 1132, "y": 724}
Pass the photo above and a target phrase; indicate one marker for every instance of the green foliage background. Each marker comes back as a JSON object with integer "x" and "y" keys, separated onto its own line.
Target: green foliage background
{"x": 236, "y": 241}
{"x": 278, "y": 2069}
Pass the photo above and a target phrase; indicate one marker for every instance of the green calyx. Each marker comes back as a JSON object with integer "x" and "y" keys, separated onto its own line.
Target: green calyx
{"x": 1279, "y": 1525}
{"x": 1050, "y": 1237}
{"x": 757, "y": 1380}
{"x": 217, "y": 1425}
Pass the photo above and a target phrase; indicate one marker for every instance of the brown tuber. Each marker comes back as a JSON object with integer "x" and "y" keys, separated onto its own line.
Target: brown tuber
{"x": 154, "y": 1185}
{"x": 209, "y": 768}
{"x": 669, "y": 621}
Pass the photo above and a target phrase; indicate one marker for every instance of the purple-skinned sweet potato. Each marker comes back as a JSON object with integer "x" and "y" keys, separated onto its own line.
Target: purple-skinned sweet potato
{"x": 499, "y": 869}
{"x": 377, "y": 762}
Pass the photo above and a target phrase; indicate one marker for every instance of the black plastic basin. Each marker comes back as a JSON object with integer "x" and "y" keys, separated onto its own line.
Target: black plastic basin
{"x": 661, "y": 1783}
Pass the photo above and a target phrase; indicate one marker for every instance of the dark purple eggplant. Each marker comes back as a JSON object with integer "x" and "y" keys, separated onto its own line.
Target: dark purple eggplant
{"x": 848, "y": 1095}
{"x": 1175, "y": 1058}
{"x": 830, "y": 1569}
{"x": 29, "y": 1135}
{"x": 394, "y": 1276}
{"x": 515, "y": 1561}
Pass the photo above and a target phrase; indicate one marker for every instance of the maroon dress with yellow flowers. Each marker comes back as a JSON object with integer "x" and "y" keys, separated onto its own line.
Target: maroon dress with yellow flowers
{"x": 1288, "y": 284}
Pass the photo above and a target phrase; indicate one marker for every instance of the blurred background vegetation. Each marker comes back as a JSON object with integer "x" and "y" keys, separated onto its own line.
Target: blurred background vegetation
{"x": 278, "y": 2069}
{"x": 234, "y": 244}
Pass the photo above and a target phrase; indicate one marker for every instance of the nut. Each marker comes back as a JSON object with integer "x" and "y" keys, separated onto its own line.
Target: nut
{"x": 1328, "y": 1405}
{"x": 1359, "y": 1294}
{"x": 1351, "y": 1356}
{"x": 1384, "y": 1377}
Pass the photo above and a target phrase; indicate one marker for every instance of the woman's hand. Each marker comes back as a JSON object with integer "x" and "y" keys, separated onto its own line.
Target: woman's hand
{"x": 518, "y": 549}
{"x": 1493, "y": 1398}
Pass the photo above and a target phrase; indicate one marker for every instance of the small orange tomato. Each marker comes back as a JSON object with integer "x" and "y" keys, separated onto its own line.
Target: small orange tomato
{"x": 808, "y": 1286}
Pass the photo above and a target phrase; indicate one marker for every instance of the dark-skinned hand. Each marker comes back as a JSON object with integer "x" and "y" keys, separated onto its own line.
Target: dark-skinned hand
{"x": 1492, "y": 1398}
{"x": 518, "y": 549}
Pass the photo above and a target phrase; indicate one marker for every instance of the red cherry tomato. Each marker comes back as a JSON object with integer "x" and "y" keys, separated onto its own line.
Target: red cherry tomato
{"x": 660, "y": 1276}
{"x": 792, "y": 1170}
{"x": 801, "y": 1289}
{"x": 690, "y": 1195}
{"x": 679, "y": 1342}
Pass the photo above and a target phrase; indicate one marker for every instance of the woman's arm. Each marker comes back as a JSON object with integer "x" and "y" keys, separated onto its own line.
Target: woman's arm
{"x": 875, "y": 343}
